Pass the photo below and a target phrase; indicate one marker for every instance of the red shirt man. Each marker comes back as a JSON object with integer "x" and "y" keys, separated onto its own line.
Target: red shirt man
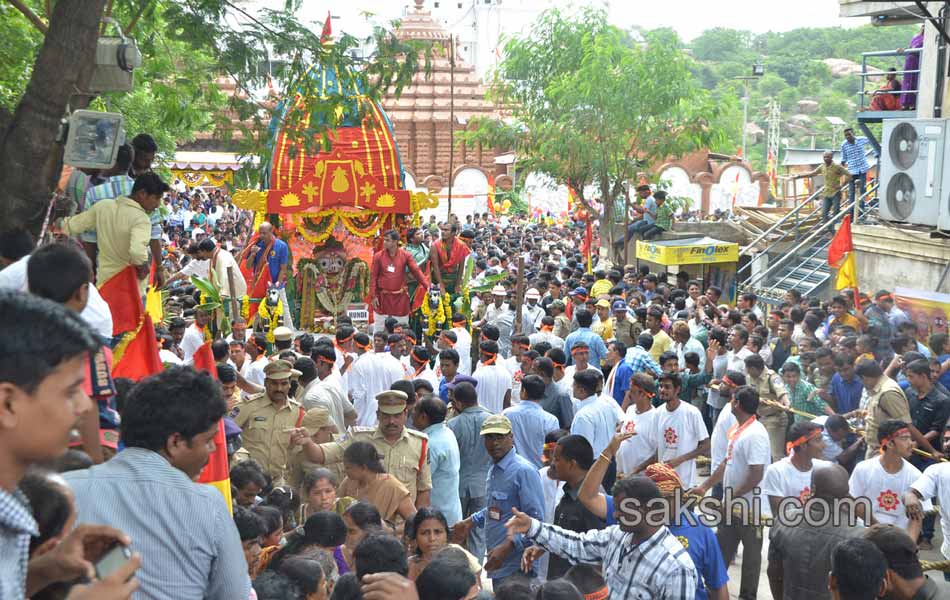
{"x": 387, "y": 280}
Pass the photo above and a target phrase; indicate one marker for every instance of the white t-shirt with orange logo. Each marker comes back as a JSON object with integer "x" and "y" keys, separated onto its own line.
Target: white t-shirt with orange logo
{"x": 885, "y": 490}
{"x": 783, "y": 479}
{"x": 676, "y": 433}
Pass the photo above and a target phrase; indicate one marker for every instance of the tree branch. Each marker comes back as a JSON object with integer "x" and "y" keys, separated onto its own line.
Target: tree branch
{"x": 107, "y": 13}
{"x": 138, "y": 15}
{"x": 30, "y": 15}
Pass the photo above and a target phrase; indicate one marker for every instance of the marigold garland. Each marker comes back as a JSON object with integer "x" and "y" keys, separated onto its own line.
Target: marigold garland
{"x": 442, "y": 316}
{"x": 271, "y": 317}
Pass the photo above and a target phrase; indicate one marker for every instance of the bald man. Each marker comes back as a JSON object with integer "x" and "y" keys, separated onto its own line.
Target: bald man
{"x": 273, "y": 254}
{"x": 800, "y": 552}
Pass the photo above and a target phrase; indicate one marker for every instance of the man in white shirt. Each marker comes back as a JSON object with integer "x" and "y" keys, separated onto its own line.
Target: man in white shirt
{"x": 885, "y": 479}
{"x": 546, "y": 334}
{"x": 741, "y": 472}
{"x": 194, "y": 335}
{"x": 463, "y": 344}
{"x": 419, "y": 362}
{"x": 738, "y": 338}
{"x": 328, "y": 391}
{"x": 683, "y": 342}
{"x": 639, "y": 417}
{"x": 256, "y": 349}
{"x": 373, "y": 373}
{"x": 678, "y": 430}
{"x": 494, "y": 380}
{"x": 934, "y": 482}
{"x": 531, "y": 312}
{"x": 791, "y": 476}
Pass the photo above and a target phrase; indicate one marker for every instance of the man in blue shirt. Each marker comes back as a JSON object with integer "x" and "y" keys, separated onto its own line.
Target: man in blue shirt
{"x": 846, "y": 387}
{"x": 530, "y": 422}
{"x": 448, "y": 367}
{"x": 278, "y": 263}
{"x": 474, "y": 459}
{"x": 646, "y": 214}
{"x": 852, "y": 156}
{"x": 513, "y": 482}
{"x": 585, "y": 334}
{"x": 444, "y": 460}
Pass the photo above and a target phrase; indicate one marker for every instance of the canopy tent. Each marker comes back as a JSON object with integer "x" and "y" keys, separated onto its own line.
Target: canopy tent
{"x": 718, "y": 259}
{"x": 197, "y": 169}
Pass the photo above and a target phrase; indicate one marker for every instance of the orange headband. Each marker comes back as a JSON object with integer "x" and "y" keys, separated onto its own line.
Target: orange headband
{"x": 491, "y": 358}
{"x": 416, "y": 356}
{"x": 579, "y": 349}
{"x": 324, "y": 359}
{"x": 547, "y": 327}
{"x": 601, "y": 594}
{"x": 891, "y": 437}
{"x": 363, "y": 346}
{"x": 557, "y": 364}
{"x": 462, "y": 320}
{"x": 446, "y": 339}
{"x": 643, "y": 391}
{"x": 346, "y": 339}
{"x": 486, "y": 338}
{"x": 521, "y": 344}
{"x": 727, "y": 381}
{"x": 802, "y": 440}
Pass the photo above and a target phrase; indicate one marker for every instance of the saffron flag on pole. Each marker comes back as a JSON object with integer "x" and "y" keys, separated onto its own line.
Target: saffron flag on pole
{"x": 841, "y": 257}
{"x": 216, "y": 471}
{"x": 491, "y": 194}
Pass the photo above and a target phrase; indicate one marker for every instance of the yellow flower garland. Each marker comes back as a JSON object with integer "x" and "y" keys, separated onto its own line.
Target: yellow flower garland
{"x": 270, "y": 317}
{"x": 443, "y": 314}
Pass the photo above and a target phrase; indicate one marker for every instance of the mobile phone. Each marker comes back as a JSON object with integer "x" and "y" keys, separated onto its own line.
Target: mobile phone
{"x": 112, "y": 560}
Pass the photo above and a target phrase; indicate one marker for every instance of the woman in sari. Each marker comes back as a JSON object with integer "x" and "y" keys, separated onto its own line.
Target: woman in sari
{"x": 367, "y": 481}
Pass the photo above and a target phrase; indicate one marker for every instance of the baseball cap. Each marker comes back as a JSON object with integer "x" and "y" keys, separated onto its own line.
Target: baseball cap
{"x": 496, "y": 424}
{"x": 283, "y": 334}
{"x": 579, "y": 291}
{"x": 279, "y": 369}
{"x": 603, "y": 303}
{"x": 619, "y": 305}
{"x": 316, "y": 418}
{"x": 392, "y": 402}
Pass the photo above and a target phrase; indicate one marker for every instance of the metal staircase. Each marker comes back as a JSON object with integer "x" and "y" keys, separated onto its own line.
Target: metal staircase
{"x": 796, "y": 258}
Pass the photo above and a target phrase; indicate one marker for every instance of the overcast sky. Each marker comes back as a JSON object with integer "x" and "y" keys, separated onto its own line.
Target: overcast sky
{"x": 688, "y": 17}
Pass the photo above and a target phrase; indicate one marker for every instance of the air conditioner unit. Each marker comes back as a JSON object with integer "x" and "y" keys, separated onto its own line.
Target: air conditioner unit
{"x": 911, "y": 168}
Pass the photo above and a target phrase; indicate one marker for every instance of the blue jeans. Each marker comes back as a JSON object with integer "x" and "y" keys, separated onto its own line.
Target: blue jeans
{"x": 826, "y": 205}
{"x": 859, "y": 180}
{"x": 637, "y": 227}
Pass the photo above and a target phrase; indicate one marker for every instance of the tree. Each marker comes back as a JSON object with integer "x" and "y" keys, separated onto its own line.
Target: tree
{"x": 187, "y": 45}
{"x": 591, "y": 109}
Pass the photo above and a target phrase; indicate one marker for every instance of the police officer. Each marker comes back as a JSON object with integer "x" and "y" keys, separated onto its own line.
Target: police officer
{"x": 403, "y": 450}
{"x": 626, "y": 328}
{"x": 267, "y": 420}
{"x": 321, "y": 430}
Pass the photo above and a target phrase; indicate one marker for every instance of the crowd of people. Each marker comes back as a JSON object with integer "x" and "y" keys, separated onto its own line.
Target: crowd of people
{"x": 520, "y": 451}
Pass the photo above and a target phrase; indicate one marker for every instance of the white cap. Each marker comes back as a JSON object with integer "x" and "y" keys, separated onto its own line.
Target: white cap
{"x": 499, "y": 290}
{"x": 533, "y": 294}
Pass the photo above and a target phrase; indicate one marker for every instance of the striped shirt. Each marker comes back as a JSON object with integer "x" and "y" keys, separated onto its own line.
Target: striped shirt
{"x": 16, "y": 527}
{"x": 189, "y": 545}
{"x": 658, "y": 568}
{"x": 852, "y": 154}
{"x": 113, "y": 187}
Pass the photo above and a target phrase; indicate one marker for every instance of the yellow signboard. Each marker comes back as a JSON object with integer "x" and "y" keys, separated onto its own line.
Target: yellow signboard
{"x": 694, "y": 251}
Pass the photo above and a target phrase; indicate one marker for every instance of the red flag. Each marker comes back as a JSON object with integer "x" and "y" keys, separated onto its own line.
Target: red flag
{"x": 327, "y": 32}
{"x": 216, "y": 471}
{"x": 136, "y": 356}
{"x": 121, "y": 292}
{"x": 841, "y": 244}
{"x": 203, "y": 360}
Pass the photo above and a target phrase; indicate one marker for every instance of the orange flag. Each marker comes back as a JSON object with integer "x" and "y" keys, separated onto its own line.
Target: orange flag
{"x": 841, "y": 257}
{"x": 216, "y": 472}
{"x": 327, "y": 32}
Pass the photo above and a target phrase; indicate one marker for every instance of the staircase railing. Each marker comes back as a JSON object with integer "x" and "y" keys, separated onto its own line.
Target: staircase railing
{"x": 810, "y": 238}
{"x": 780, "y": 222}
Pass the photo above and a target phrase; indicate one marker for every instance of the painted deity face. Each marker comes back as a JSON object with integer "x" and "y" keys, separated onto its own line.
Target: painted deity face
{"x": 331, "y": 262}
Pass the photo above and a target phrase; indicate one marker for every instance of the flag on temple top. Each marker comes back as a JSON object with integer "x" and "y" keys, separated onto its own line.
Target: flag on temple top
{"x": 491, "y": 194}
{"x": 215, "y": 472}
{"x": 841, "y": 257}
{"x": 571, "y": 199}
{"x": 327, "y": 32}
{"x": 136, "y": 354}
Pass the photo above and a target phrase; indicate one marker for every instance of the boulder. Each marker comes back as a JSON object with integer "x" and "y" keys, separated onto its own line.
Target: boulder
{"x": 842, "y": 67}
{"x": 808, "y": 106}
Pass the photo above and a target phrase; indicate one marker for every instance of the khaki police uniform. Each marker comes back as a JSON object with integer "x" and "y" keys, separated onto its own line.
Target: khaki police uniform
{"x": 770, "y": 386}
{"x": 264, "y": 426}
{"x": 315, "y": 419}
{"x": 406, "y": 459}
{"x": 626, "y": 330}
